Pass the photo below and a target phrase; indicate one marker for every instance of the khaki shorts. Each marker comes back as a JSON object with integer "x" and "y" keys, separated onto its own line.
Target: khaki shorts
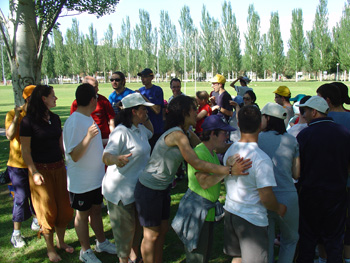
{"x": 126, "y": 228}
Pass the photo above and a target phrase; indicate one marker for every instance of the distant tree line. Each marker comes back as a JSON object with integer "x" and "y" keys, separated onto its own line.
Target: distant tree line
{"x": 215, "y": 47}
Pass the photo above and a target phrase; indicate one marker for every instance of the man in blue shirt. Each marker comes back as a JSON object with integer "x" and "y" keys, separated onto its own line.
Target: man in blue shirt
{"x": 120, "y": 91}
{"x": 154, "y": 94}
{"x": 324, "y": 159}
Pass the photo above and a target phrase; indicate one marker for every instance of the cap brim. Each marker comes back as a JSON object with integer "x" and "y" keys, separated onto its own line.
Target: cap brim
{"x": 148, "y": 104}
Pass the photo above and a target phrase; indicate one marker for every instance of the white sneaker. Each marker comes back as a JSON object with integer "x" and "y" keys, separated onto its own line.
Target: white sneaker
{"x": 106, "y": 247}
{"x": 35, "y": 226}
{"x": 88, "y": 256}
{"x": 18, "y": 241}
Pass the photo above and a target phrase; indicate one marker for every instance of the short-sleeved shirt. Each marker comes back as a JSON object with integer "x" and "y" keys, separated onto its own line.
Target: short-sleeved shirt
{"x": 213, "y": 192}
{"x": 163, "y": 164}
{"x": 101, "y": 115}
{"x": 207, "y": 108}
{"x": 114, "y": 98}
{"x": 45, "y": 138}
{"x": 119, "y": 182}
{"x": 282, "y": 149}
{"x": 87, "y": 173}
{"x": 223, "y": 100}
{"x": 241, "y": 90}
{"x": 242, "y": 195}
{"x": 15, "y": 154}
{"x": 342, "y": 118}
{"x": 155, "y": 95}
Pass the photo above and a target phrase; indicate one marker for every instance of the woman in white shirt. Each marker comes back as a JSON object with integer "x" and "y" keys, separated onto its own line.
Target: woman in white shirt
{"x": 126, "y": 155}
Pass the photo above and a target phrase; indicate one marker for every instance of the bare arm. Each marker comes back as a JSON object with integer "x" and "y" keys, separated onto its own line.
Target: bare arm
{"x": 11, "y": 130}
{"x": 81, "y": 148}
{"x": 206, "y": 180}
{"x": 179, "y": 139}
{"x": 157, "y": 109}
{"x": 194, "y": 139}
{"x": 201, "y": 115}
{"x": 148, "y": 124}
{"x": 269, "y": 200}
{"x": 234, "y": 82}
{"x": 119, "y": 160}
{"x": 296, "y": 168}
{"x": 222, "y": 110}
{"x": 111, "y": 125}
{"x": 27, "y": 157}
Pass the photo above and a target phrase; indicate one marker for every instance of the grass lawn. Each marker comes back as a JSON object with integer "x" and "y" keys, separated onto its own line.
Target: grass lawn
{"x": 35, "y": 251}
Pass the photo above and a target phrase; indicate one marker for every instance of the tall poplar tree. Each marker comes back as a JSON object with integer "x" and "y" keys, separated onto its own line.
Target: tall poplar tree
{"x": 253, "y": 41}
{"x": 322, "y": 54}
{"x": 296, "y": 43}
{"x": 232, "y": 59}
{"x": 276, "y": 56}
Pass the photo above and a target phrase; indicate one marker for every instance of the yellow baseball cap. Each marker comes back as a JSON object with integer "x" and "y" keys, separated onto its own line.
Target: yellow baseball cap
{"x": 28, "y": 91}
{"x": 283, "y": 91}
{"x": 218, "y": 79}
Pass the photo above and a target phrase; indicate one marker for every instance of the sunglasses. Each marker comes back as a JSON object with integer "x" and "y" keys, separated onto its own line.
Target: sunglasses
{"x": 117, "y": 80}
{"x": 246, "y": 98}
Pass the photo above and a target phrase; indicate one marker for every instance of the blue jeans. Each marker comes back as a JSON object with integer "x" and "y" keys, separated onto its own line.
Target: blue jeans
{"x": 288, "y": 226}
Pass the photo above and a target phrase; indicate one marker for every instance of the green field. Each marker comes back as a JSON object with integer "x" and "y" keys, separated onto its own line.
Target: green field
{"x": 35, "y": 250}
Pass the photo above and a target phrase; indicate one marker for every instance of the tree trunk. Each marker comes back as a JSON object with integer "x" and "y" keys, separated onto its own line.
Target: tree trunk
{"x": 25, "y": 65}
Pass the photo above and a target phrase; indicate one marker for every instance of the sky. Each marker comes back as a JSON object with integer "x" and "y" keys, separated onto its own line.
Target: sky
{"x": 240, "y": 8}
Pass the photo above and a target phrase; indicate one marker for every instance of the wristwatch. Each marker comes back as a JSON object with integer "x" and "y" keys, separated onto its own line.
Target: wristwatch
{"x": 219, "y": 109}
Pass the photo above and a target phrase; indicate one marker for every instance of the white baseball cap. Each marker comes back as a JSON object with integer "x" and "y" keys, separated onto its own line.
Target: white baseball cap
{"x": 316, "y": 102}
{"x": 274, "y": 110}
{"x": 133, "y": 100}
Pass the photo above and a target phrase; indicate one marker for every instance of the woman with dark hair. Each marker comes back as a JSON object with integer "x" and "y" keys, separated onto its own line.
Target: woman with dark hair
{"x": 283, "y": 150}
{"x": 152, "y": 192}
{"x": 42, "y": 151}
{"x": 126, "y": 155}
{"x": 249, "y": 98}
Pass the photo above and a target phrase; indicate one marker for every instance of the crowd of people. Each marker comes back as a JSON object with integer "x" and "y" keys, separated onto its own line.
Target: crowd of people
{"x": 285, "y": 169}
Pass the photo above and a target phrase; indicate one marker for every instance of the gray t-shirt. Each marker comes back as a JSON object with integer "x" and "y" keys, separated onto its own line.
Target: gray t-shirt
{"x": 162, "y": 166}
{"x": 282, "y": 149}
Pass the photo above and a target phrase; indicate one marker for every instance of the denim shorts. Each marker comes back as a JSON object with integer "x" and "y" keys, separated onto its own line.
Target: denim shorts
{"x": 152, "y": 206}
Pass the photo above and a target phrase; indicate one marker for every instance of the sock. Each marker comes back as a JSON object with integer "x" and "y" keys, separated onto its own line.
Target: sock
{"x": 322, "y": 260}
{"x": 100, "y": 243}
{"x": 16, "y": 232}
{"x": 35, "y": 220}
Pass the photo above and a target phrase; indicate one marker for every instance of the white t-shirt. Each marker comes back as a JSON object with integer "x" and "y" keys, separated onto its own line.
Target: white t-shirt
{"x": 87, "y": 173}
{"x": 242, "y": 196}
{"x": 119, "y": 182}
{"x": 295, "y": 129}
{"x": 241, "y": 90}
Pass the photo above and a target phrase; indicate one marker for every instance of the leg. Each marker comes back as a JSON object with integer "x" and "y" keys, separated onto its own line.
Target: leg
{"x": 202, "y": 253}
{"x": 164, "y": 227}
{"x": 60, "y": 231}
{"x": 271, "y": 236}
{"x": 288, "y": 226}
{"x": 148, "y": 245}
{"x": 51, "y": 252}
{"x": 82, "y": 228}
{"x": 96, "y": 223}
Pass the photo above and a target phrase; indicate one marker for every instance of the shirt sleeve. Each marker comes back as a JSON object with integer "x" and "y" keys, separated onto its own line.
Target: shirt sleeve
{"x": 74, "y": 107}
{"x": 264, "y": 174}
{"x": 158, "y": 97}
{"x": 116, "y": 142}
{"x": 71, "y": 135}
{"x": 9, "y": 118}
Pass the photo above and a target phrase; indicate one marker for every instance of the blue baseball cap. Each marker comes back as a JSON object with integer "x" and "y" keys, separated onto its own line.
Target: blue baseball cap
{"x": 215, "y": 122}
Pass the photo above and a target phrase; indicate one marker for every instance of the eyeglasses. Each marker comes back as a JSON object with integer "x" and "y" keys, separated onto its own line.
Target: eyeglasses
{"x": 246, "y": 98}
{"x": 117, "y": 80}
